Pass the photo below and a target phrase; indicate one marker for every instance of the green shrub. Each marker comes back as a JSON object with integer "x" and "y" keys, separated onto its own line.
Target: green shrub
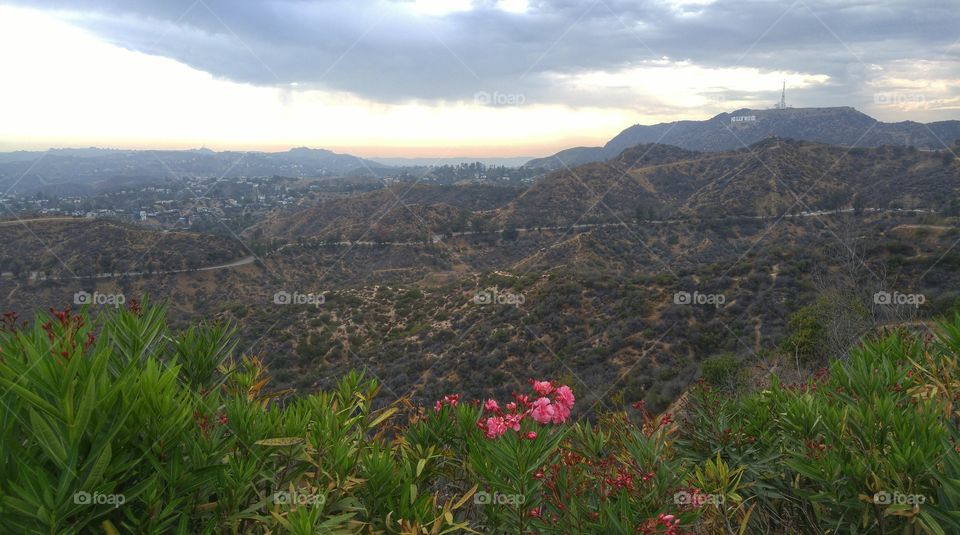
{"x": 724, "y": 371}
{"x": 119, "y": 426}
{"x": 125, "y": 428}
{"x": 834, "y": 451}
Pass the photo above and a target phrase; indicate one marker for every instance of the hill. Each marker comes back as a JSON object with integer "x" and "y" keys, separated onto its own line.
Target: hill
{"x": 773, "y": 176}
{"x": 75, "y": 248}
{"x": 842, "y": 126}
{"x": 653, "y": 181}
{"x": 400, "y": 212}
{"x": 568, "y": 158}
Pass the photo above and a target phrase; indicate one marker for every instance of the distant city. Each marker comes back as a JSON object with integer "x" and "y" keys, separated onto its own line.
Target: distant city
{"x": 214, "y": 204}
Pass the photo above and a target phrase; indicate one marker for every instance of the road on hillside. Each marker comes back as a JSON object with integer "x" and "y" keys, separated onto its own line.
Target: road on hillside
{"x": 7, "y": 222}
{"x": 228, "y": 265}
{"x": 437, "y": 238}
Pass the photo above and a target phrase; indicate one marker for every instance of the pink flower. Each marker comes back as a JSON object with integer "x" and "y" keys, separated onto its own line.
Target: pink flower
{"x": 491, "y": 405}
{"x": 544, "y": 388}
{"x": 513, "y": 421}
{"x": 523, "y": 400}
{"x": 511, "y": 406}
{"x": 560, "y": 413}
{"x": 531, "y": 435}
{"x": 495, "y": 427}
{"x": 564, "y": 396}
{"x": 450, "y": 400}
{"x": 542, "y": 411}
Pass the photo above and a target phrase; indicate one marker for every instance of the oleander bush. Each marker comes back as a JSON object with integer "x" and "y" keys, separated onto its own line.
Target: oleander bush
{"x": 869, "y": 445}
{"x": 117, "y": 425}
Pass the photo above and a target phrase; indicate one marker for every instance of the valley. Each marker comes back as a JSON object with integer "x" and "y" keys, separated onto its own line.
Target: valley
{"x": 620, "y": 277}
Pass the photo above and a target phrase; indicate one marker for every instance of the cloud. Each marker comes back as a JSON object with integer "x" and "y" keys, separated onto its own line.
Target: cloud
{"x": 397, "y": 51}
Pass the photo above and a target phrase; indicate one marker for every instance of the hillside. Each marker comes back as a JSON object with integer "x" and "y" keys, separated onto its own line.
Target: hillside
{"x": 523, "y": 292}
{"x": 596, "y": 303}
{"x": 69, "y": 248}
{"x": 771, "y": 177}
{"x": 400, "y": 212}
{"x": 568, "y": 158}
{"x": 654, "y": 181}
{"x": 843, "y": 126}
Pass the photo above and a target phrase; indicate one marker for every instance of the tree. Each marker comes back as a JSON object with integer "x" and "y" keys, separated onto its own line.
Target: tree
{"x": 805, "y": 339}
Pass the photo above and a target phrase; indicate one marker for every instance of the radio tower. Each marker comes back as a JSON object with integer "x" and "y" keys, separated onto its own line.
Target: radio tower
{"x": 782, "y": 105}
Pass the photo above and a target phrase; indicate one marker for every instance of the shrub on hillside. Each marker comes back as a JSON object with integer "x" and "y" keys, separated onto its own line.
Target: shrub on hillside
{"x": 724, "y": 371}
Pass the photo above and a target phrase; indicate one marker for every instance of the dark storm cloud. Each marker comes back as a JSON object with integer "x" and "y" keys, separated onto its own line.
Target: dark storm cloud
{"x": 382, "y": 51}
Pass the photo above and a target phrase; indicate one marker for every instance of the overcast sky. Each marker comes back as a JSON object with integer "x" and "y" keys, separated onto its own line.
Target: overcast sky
{"x": 452, "y": 77}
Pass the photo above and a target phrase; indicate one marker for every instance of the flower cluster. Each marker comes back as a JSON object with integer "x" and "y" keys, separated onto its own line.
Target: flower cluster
{"x": 650, "y": 424}
{"x": 9, "y": 321}
{"x": 556, "y": 410}
{"x": 135, "y": 308}
{"x": 599, "y": 485}
{"x": 665, "y": 524}
{"x": 63, "y": 334}
{"x": 604, "y": 477}
{"x": 203, "y": 421}
{"x": 451, "y": 400}
{"x": 553, "y": 406}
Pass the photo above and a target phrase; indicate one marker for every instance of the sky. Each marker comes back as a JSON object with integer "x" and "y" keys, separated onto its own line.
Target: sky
{"x": 434, "y": 78}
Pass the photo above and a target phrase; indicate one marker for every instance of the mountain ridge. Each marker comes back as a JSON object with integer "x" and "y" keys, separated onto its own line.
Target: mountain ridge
{"x": 844, "y": 126}
{"x": 649, "y": 181}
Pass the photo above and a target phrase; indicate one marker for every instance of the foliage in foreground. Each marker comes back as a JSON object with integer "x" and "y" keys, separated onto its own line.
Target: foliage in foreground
{"x": 117, "y": 426}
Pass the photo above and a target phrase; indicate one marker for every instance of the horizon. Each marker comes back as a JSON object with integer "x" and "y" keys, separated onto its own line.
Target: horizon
{"x": 381, "y": 154}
